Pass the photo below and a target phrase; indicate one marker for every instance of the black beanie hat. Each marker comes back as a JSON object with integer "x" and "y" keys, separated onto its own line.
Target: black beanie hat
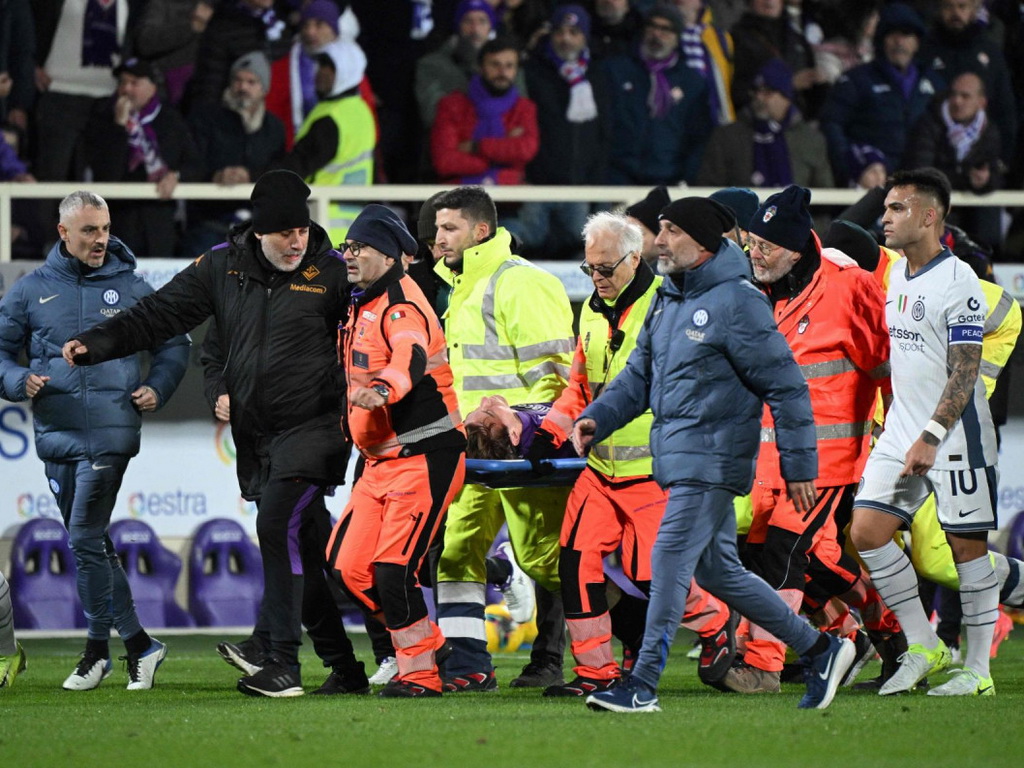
{"x": 784, "y": 219}
{"x": 380, "y": 228}
{"x": 647, "y": 210}
{"x": 855, "y": 241}
{"x": 702, "y": 219}
{"x": 426, "y": 229}
{"x": 279, "y": 202}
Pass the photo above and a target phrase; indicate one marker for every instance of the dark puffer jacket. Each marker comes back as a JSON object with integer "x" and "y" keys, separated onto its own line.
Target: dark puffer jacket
{"x": 81, "y": 413}
{"x": 709, "y": 354}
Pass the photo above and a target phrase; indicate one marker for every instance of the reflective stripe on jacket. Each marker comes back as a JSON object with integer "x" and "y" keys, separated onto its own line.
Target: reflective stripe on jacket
{"x": 392, "y": 336}
{"x": 509, "y": 327}
{"x": 627, "y": 451}
{"x": 837, "y": 332}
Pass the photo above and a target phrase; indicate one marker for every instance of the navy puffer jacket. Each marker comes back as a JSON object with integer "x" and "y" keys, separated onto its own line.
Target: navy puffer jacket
{"x": 81, "y": 413}
{"x": 708, "y": 356}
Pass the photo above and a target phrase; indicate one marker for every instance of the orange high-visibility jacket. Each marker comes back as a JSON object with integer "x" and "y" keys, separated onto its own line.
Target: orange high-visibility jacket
{"x": 393, "y": 337}
{"x": 836, "y": 329}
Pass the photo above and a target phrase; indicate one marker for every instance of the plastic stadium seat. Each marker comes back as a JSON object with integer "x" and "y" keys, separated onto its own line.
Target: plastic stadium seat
{"x": 225, "y": 575}
{"x": 1015, "y": 543}
{"x": 152, "y": 571}
{"x": 42, "y": 578}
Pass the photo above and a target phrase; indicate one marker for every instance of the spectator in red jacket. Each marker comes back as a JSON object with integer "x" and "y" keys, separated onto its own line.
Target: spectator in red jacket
{"x": 487, "y": 133}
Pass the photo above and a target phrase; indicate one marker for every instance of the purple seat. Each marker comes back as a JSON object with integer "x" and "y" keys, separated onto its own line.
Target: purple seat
{"x": 42, "y": 578}
{"x": 152, "y": 571}
{"x": 1015, "y": 543}
{"x": 225, "y": 575}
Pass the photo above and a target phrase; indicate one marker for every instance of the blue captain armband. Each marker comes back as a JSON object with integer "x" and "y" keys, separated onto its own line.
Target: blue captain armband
{"x": 965, "y": 334}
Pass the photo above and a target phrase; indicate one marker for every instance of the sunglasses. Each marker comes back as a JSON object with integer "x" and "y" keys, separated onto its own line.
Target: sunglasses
{"x": 603, "y": 271}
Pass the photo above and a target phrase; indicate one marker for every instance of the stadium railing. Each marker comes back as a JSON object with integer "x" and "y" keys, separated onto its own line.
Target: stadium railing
{"x": 321, "y": 197}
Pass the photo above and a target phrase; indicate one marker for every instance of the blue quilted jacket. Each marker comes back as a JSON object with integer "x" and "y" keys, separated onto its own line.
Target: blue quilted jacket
{"x": 708, "y": 356}
{"x": 81, "y": 413}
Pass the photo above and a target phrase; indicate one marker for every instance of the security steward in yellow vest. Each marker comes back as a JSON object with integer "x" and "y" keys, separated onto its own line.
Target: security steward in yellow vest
{"x": 509, "y": 331}
{"x": 615, "y": 501}
{"x": 335, "y": 143}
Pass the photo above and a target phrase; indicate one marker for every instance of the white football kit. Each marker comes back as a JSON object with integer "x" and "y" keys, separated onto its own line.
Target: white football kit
{"x": 940, "y": 306}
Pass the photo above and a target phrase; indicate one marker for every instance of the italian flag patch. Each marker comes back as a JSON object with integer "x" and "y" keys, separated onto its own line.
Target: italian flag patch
{"x": 396, "y": 315}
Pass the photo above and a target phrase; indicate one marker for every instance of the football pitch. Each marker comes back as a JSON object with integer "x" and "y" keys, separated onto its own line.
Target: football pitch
{"x": 195, "y": 717}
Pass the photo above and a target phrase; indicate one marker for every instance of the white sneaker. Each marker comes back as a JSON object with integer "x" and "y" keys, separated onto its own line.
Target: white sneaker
{"x": 90, "y": 672}
{"x": 520, "y": 598}
{"x": 965, "y": 682}
{"x": 916, "y": 664}
{"x": 142, "y": 668}
{"x": 388, "y": 669}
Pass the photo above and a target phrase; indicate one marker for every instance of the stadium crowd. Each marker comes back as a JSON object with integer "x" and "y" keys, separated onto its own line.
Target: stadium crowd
{"x": 727, "y": 345}
{"x": 754, "y": 93}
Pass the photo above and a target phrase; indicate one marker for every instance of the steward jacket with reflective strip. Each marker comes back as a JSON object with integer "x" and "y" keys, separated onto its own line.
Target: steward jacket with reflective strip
{"x": 1002, "y": 325}
{"x": 627, "y": 451}
{"x": 392, "y": 336}
{"x": 836, "y": 329}
{"x": 352, "y": 161}
{"x": 509, "y": 327}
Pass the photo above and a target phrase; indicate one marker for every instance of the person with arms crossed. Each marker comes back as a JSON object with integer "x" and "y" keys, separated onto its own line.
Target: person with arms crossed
{"x": 708, "y": 357}
{"x": 87, "y": 424}
{"x": 938, "y": 438}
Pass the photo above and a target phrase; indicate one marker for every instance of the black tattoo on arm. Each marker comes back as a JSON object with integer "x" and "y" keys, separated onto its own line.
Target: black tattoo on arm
{"x": 963, "y": 361}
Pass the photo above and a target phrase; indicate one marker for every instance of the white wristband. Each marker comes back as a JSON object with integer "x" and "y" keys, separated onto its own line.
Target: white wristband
{"x": 936, "y": 430}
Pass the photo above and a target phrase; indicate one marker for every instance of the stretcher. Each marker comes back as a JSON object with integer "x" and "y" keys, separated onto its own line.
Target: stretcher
{"x": 519, "y": 473}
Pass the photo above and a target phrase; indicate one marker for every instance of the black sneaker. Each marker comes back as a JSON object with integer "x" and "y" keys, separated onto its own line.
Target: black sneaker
{"x": 718, "y": 652}
{"x": 536, "y": 675}
{"x": 581, "y": 686}
{"x": 891, "y": 648}
{"x": 245, "y": 656}
{"x": 274, "y": 679}
{"x": 337, "y": 683}
{"x": 474, "y": 682}
{"x": 403, "y": 689}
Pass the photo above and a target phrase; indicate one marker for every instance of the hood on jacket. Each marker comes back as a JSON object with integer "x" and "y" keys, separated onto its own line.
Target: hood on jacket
{"x": 896, "y": 17}
{"x": 119, "y": 258}
{"x": 349, "y": 65}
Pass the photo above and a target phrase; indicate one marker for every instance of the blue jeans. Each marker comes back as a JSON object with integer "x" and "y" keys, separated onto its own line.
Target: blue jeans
{"x": 86, "y": 491}
{"x": 697, "y": 538}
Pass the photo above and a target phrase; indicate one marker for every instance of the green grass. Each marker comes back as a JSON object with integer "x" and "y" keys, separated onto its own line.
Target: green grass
{"x": 194, "y": 717}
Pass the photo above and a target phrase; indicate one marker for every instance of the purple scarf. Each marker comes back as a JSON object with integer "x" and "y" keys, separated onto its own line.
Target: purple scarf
{"x": 490, "y": 119}
{"x": 771, "y": 153}
{"x": 659, "y": 100}
{"x": 99, "y": 33}
{"x": 905, "y": 80}
{"x": 143, "y": 147}
{"x": 307, "y": 77}
{"x": 573, "y": 72}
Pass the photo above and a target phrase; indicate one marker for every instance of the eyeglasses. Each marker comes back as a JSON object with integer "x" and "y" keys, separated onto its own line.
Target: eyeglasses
{"x": 602, "y": 270}
{"x": 354, "y": 247}
{"x": 660, "y": 27}
{"x": 763, "y": 246}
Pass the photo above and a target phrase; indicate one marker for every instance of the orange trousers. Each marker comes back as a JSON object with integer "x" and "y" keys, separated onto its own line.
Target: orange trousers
{"x": 378, "y": 545}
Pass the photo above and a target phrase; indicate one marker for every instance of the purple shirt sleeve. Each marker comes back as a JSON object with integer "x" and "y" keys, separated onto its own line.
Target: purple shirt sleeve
{"x": 10, "y": 165}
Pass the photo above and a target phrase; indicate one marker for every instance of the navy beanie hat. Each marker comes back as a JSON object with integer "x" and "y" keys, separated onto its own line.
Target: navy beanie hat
{"x": 647, "y": 210}
{"x": 571, "y": 16}
{"x": 279, "y": 202}
{"x": 702, "y": 219}
{"x": 741, "y": 201}
{"x": 380, "y": 228}
{"x": 898, "y": 17}
{"x": 784, "y": 218}
{"x": 775, "y": 76}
